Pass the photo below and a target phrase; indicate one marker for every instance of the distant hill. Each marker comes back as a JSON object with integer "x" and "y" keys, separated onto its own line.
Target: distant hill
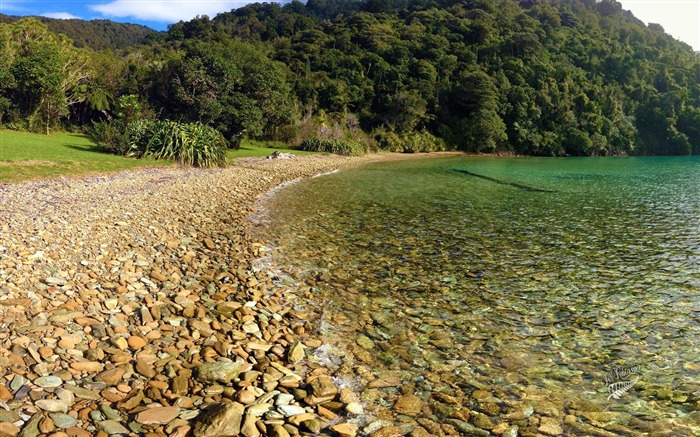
{"x": 96, "y": 34}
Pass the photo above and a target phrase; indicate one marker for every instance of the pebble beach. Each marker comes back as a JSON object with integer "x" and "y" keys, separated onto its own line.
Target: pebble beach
{"x": 130, "y": 305}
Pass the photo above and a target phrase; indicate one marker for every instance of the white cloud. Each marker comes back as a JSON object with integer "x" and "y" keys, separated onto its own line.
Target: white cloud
{"x": 166, "y": 11}
{"x": 60, "y": 15}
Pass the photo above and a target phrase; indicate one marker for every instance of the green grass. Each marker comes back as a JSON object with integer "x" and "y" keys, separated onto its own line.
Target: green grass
{"x": 254, "y": 149}
{"x": 34, "y": 156}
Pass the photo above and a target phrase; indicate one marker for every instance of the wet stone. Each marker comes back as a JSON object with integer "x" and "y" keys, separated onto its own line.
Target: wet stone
{"x": 409, "y": 405}
{"x": 482, "y": 421}
{"x": 323, "y": 386}
{"x": 388, "y": 431}
{"x": 550, "y": 427}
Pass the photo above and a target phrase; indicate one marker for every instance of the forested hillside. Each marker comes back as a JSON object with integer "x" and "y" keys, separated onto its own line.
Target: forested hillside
{"x": 95, "y": 34}
{"x": 552, "y": 77}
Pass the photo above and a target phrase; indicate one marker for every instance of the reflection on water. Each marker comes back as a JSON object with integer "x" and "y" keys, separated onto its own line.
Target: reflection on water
{"x": 531, "y": 281}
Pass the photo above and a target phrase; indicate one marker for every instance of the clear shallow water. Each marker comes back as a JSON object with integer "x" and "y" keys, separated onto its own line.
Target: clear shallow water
{"x": 530, "y": 278}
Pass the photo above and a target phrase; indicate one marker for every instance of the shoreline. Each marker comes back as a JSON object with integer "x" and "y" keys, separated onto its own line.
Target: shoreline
{"x": 129, "y": 305}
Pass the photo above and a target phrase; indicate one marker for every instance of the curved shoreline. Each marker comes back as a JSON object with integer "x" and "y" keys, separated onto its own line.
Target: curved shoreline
{"x": 129, "y": 304}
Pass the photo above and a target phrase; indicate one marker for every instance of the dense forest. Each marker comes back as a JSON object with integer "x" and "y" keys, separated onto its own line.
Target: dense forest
{"x": 546, "y": 77}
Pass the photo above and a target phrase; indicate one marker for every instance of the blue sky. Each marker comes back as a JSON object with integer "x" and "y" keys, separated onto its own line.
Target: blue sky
{"x": 153, "y": 13}
{"x": 680, "y": 18}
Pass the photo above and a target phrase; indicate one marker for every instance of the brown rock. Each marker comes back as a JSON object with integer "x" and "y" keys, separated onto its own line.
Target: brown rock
{"x": 5, "y": 394}
{"x": 345, "y": 429}
{"x": 136, "y": 342}
{"x": 46, "y": 425}
{"x": 245, "y": 397}
{"x": 180, "y": 385}
{"x": 323, "y": 386}
{"x": 112, "y": 395}
{"x": 66, "y": 343}
{"x": 45, "y": 351}
{"x": 157, "y": 415}
{"x": 420, "y": 432}
{"x": 432, "y": 427}
{"x": 482, "y": 421}
{"x": 87, "y": 366}
{"x": 132, "y": 402}
{"x": 209, "y": 244}
{"x": 296, "y": 352}
{"x": 278, "y": 431}
{"x": 550, "y": 426}
{"x": 219, "y": 420}
{"x": 8, "y": 429}
{"x": 145, "y": 369}
{"x": 388, "y": 431}
{"x": 111, "y": 377}
{"x": 74, "y": 431}
{"x": 409, "y": 405}
{"x": 158, "y": 276}
{"x": 249, "y": 428}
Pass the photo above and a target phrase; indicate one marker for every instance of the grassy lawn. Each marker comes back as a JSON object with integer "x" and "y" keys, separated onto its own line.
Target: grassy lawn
{"x": 35, "y": 156}
{"x": 251, "y": 148}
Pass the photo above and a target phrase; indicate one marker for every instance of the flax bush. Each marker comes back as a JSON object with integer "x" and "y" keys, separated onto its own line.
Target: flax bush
{"x": 192, "y": 144}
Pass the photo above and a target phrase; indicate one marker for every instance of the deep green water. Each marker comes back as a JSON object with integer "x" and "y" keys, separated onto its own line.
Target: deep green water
{"x": 531, "y": 276}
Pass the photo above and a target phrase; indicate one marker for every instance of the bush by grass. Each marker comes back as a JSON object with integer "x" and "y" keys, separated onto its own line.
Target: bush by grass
{"x": 187, "y": 143}
{"x": 412, "y": 142}
{"x": 337, "y": 147}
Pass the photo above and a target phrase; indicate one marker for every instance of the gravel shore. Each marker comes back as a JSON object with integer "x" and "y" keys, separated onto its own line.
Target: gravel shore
{"x": 130, "y": 305}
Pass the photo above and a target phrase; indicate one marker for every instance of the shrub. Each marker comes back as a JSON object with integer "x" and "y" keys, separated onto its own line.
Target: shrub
{"x": 189, "y": 144}
{"x": 412, "y": 142}
{"x": 337, "y": 147}
{"x": 110, "y": 136}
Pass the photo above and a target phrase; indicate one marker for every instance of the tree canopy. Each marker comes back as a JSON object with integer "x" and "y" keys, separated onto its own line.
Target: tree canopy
{"x": 551, "y": 77}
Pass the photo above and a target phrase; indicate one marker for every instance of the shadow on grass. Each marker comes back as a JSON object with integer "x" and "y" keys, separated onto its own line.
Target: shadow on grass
{"x": 94, "y": 148}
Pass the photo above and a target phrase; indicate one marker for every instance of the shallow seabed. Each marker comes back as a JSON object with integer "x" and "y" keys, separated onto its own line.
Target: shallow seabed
{"x": 507, "y": 294}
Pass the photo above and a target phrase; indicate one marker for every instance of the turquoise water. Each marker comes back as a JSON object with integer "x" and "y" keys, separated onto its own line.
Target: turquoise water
{"x": 529, "y": 278}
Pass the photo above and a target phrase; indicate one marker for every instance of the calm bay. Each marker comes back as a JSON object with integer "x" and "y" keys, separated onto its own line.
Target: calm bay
{"x": 506, "y": 287}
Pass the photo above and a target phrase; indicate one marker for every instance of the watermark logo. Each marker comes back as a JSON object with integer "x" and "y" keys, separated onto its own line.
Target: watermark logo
{"x": 620, "y": 380}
